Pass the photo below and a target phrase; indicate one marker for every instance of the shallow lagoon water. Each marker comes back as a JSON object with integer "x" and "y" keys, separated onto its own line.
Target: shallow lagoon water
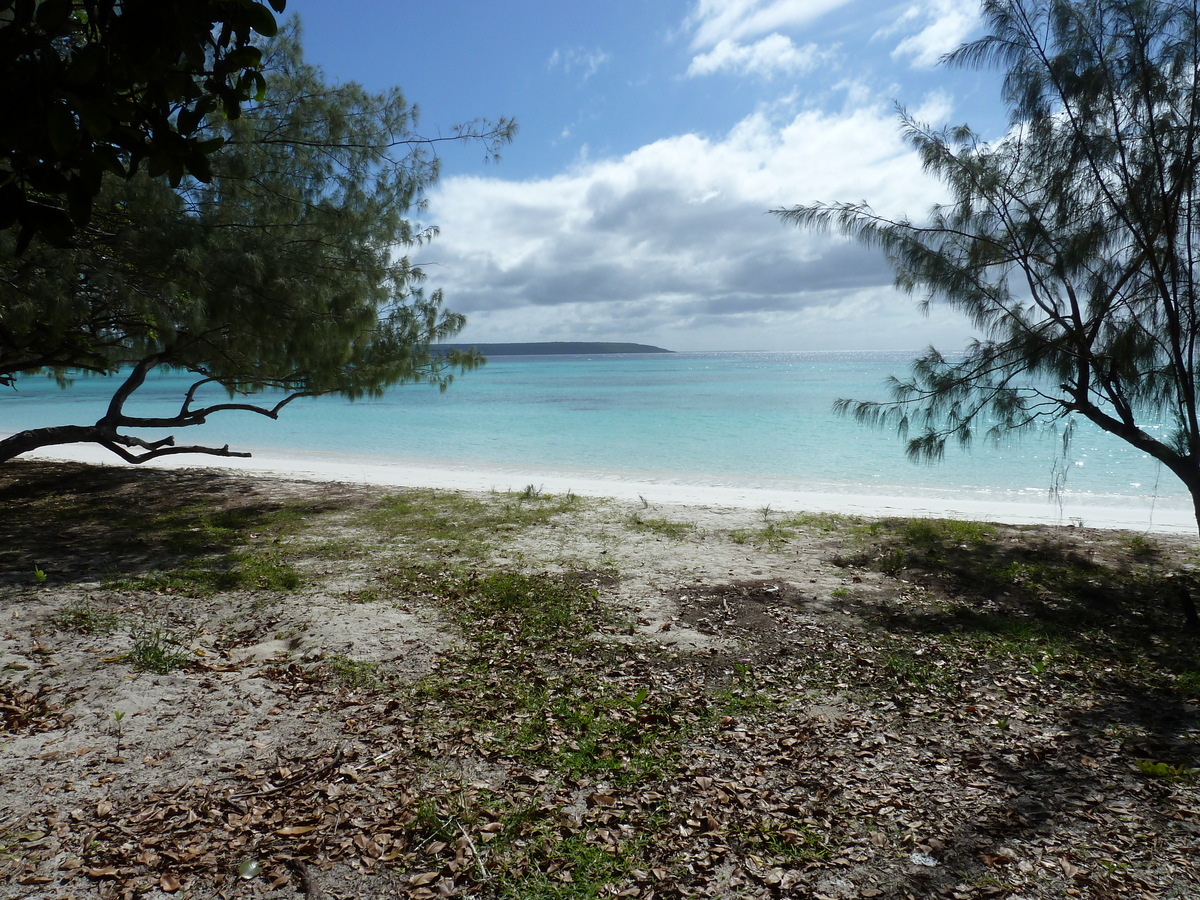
{"x": 750, "y": 420}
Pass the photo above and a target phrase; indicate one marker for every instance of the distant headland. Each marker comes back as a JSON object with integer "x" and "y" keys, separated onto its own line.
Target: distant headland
{"x": 552, "y": 348}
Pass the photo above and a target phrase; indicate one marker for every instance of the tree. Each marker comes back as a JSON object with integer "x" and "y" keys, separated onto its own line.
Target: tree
{"x": 284, "y": 272}
{"x": 1072, "y": 244}
{"x": 95, "y": 87}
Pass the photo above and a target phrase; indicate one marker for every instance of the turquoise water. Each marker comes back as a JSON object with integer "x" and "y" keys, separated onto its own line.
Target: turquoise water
{"x": 750, "y": 418}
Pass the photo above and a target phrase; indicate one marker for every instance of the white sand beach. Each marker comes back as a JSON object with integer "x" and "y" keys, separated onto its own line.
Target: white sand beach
{"x": 1169, "y": 515}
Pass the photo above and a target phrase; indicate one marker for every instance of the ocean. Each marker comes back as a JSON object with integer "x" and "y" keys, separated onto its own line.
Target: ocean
{"x": 755, "y": 421}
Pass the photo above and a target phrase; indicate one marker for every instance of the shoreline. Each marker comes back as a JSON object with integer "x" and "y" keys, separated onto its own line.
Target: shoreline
{"x": 1162, "y": 515}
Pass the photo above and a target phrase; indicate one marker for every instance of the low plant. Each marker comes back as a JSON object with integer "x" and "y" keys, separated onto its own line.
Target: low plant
{"x": 157, "y": 650}
{"x": 462, "y": 525}
{"x": 354, "y": 673}
{"x": 527, "y": 607}
{"x": 1166, "y": 772}
{"x": 912, "y": 669}
{"x": 239, "y": 570}
{"x": 1143, "y": 548}
{"x": 787, "y": 843}
{"x": 118, "y": 722}
{"x": 87, "y": 618}
{"x": 664, "y": 527}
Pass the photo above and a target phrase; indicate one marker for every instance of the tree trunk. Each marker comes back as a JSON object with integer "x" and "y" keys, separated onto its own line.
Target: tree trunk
{"x": 1183, "y": 589}
{"x": 107, "y": 437}
{"x": 24, "y": 441}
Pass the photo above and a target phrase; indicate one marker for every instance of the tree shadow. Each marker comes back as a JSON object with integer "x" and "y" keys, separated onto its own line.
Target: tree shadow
{"x": 80, "y": 523}
{"x": 1105, "y": 647}
{"x": 1113, "y": 597}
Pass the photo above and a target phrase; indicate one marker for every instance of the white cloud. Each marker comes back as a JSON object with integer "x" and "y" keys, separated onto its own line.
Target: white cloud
{"x": 944, "y": 25}
{"x": 578, "y": 59}
{"x": 714, "y": 21}
{"x": 673, "y": 239}
{"x": 774, "y": 54}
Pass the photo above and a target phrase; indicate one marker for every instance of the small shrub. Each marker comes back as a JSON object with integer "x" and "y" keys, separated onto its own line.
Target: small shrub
{"x": 1143, "y": 548}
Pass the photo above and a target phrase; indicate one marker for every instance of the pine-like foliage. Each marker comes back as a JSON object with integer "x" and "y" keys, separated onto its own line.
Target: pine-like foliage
{"x": 288, "y": 270}
{"x": 1071, "y": 244}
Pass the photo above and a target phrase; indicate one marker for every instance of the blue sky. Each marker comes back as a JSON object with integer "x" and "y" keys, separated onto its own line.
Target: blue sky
{"x": 654, "y": 135}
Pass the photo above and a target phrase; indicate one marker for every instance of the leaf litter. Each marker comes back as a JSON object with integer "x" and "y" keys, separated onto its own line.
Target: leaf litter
{"x": 833, "y": 725}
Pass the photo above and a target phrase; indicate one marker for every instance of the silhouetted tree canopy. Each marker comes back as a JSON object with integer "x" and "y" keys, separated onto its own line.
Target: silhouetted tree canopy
{"x": 96, "y": 87}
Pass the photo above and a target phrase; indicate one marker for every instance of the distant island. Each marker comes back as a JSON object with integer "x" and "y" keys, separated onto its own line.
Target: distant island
{"x": 552, "y": 348}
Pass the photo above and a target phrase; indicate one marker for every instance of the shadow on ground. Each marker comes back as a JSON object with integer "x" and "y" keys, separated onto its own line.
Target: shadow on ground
{"x": 78, "y": 523}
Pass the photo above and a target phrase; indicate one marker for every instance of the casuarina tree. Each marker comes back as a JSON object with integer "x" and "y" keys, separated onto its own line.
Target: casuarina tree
{"x": 1072, "y": 243}
{"x": 286, "y": 272}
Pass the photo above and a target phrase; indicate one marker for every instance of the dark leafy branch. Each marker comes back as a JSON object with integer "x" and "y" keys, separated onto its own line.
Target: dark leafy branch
{"x": 284, "y": 272}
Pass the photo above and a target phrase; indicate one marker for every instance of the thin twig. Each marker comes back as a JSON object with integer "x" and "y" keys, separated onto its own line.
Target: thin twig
{"x": 474, "y": 852}
{"x": 292, "y": 782}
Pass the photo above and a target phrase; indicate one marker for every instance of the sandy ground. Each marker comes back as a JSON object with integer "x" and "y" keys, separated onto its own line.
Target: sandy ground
{"x": 1170, "y": 514}
{"x": 89, "y": 737}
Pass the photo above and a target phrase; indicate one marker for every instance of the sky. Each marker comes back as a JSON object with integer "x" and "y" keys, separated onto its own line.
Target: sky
{"x": 654, "y": 136}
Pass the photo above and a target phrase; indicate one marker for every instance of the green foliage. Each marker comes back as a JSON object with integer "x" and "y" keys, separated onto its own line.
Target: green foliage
{"x": 787, "y": 842}
{"x": 527, "y": 607}
{"x": 1166, "y": 772}
{"x": 286, "y": 272}
{"x": 237, "y": 570}
{"x": 1143, "y": 548}
{"x": 1070, "y": 243}
{"x": 354, "y": 673}
{"x": 665, "y": 527}
{"x": 157, "y": 650}
{"x": 97, "y": 88}
{"x": 460, "y": 523}
{"x": 87, "y": 618}
{"x": 119, "y": 725}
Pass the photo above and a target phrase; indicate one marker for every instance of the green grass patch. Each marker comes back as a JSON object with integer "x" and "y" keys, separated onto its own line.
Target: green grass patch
{"x": 530, "y": 609}
{"x": 448, "y": 522}
{"x": 239, "y": 570}
{"x": 158, "y": 650}
{"x": 665, "y": 527}
{"x": 1169, "y": 773}
{"x": 86, "y": 617}
{"x": 571, "y": 868}
{"x": 354, "y": 673}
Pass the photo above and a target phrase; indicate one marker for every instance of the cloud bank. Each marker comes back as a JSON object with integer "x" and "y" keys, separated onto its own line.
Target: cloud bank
{"x": 672, "y": 243}
{"x": 674, "y": 239}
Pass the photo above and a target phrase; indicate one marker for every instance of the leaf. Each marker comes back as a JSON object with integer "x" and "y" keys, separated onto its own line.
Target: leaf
{"x": 293, "y": 830}
{"x": 249, "y": 869}
{"x": 261, "y": 20}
